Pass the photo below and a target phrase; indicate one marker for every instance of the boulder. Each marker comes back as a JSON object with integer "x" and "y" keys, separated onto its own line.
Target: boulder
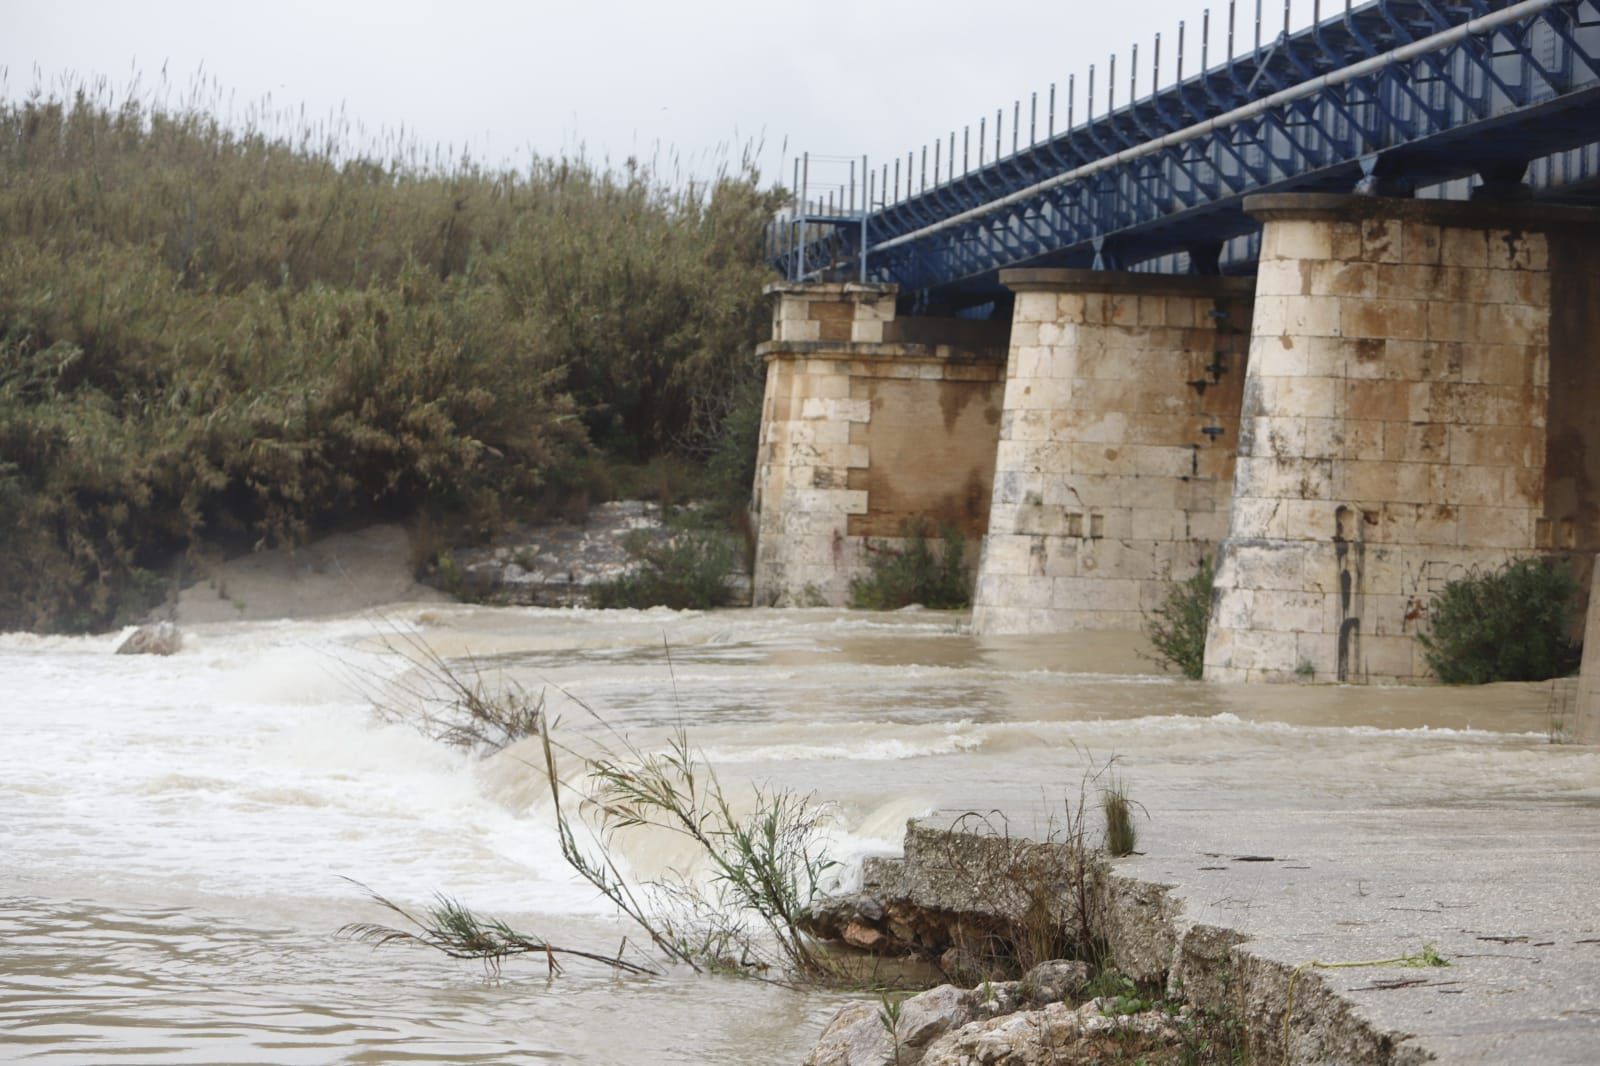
{"x": 162, "y": 638}
{"x": 1058, "y": 1033}
{"x": 855, "y": 1037}
{"x": 929, "y": 1015}
{"x": 1054, "y": 981}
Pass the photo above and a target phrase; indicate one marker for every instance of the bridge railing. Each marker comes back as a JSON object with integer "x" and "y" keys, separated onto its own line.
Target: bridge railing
{"x": 1200, "y": 141}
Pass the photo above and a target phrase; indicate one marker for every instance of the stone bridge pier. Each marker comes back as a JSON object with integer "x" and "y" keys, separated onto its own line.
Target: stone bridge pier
{"x": 869, "y": 424}
{"x": 1420, "y": 402}
{"x": 1115, "y": 460}
{"x": 1409, "y": 390}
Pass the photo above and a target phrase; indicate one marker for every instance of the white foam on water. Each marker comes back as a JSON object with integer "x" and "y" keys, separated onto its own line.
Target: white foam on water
{"x": 244, "y": 766}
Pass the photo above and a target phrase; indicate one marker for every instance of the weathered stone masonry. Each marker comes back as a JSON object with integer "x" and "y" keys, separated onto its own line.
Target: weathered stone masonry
{"x": 1407, "y": 385}
{"x": 1393, "y": 432}
{"x": 1115, "y": 460}
{"x": 865, "y": 428}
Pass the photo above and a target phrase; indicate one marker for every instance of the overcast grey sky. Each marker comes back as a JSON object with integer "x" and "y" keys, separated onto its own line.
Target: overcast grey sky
{"x": 829, "y": 76}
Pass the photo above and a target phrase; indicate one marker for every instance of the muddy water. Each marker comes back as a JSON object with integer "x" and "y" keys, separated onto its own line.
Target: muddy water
{"x": 176, "y": 835}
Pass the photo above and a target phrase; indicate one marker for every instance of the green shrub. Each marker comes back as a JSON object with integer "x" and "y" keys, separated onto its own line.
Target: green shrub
{"x": 1177, "y": 629}
{"x": 688, "y": 572}
{"x": 213, "y": 339}
{"x": 918, "y": 573}
{"x": 1511, "y": 624}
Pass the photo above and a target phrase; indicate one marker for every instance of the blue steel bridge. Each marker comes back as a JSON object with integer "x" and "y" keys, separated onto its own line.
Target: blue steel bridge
{"x": 1148, "y": 170}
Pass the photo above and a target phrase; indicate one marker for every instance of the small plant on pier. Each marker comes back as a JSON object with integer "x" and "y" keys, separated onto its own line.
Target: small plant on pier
{"x": 1177, "y": 629}
{"x": 1511, "y": 624}
{"x": 917, "y": 573}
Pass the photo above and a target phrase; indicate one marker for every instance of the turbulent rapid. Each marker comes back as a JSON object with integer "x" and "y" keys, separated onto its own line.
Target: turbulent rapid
{"x": 180, "y": 838}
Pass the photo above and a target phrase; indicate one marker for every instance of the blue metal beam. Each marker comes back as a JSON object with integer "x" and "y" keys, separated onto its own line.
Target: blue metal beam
{"x": 1459, "y": 98}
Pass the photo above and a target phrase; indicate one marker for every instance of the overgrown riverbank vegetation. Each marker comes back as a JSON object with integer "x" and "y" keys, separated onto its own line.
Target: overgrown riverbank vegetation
{"x": 213, "y": 339}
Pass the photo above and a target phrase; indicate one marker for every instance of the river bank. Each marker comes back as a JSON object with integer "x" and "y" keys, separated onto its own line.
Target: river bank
{"x": 229, "y": 788}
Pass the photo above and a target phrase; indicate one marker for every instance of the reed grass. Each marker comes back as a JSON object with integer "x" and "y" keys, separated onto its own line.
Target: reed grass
{"x": 1121, "y": 834}
{"x": 764, "y": 860}
{"x": 222, "y": 333}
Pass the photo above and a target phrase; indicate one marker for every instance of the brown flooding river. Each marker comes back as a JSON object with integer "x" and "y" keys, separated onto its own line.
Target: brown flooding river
{"x": 176, "y": 834}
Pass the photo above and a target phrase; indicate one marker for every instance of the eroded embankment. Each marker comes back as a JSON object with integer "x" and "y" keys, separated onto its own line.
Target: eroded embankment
{"x": 965, "y": 893}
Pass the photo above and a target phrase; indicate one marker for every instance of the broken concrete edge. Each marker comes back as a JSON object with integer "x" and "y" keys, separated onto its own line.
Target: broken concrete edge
{"x": 1473, "y": 214}
{"x": 1149, "y": 937}
{"x": 867, "y": 351}
{"x": 1107, "y": 282}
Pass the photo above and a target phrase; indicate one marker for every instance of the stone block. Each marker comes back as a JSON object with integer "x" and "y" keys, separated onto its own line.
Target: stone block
{"x": 1463, "y": 247}
{"x": 822, "y": 386}
{"x": 1517, "y": 250}
{"x": 1158, "y": 523}
{"x": 1282, "y": 356}
{"x": 1419, "y": 523}
{"x": 1386, "y": 658}
{"x": 1313, "y": 520}
{"x": 1304, "y": 396}
{"x": 1388, "y": 319}
{"x": 1378, "y": 401}
{"x": 1515, "y": 324}
{"x": 1424, "y": 443}
{"x": 1496, "y": 527}
{"x": 1008, "y": 554}
{"x": 1061, "y": 557}
{"x": 1314, "y": 316}
{"x": 1283, "y": 277}
{"x": 1496, "y": 445}
{"x": 798, "y": 330}
{"x": 1381, "y": 240}
{"x": 1286, "y": 611}
{"x": 1034, "y": 307}
{"x": 1419, "y": 242}
{"x": 1027, "y": 591}
{"x": 1319, "y": 652}
{"x": 1259, "y": 649}
{"x": 1367, "y": 481}
{"x": 1452, "y": 321}
{"x": 1270, "y": 566}
{"x": 1150, "y": 460}
{"x": 1271, "y": 317}
{"x": 1518, "y": 287}
{"x": 1095, "y": 594}
{"x": 1297, "y": 239}
{"x": 1187, "y": 313}
{"x": 1122, "y": 309}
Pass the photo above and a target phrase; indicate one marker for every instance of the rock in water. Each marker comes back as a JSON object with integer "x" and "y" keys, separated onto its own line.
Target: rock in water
{"x": 855, "y": 1037}
{"x": 162, "y": 638}
{"x": 926, "y": 1017}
